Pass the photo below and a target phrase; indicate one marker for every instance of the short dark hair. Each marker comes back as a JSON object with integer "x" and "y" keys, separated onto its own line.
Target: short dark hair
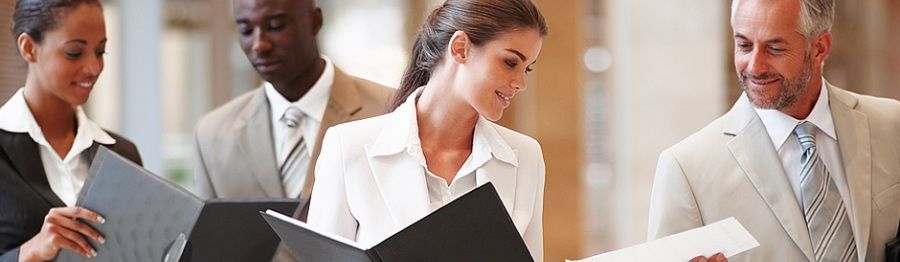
{"x": 35, "y": 17}
{"x": 482, "y": 20}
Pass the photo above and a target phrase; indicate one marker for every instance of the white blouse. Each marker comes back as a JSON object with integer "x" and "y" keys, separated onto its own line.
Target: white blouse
{"x": 65, "y": 175}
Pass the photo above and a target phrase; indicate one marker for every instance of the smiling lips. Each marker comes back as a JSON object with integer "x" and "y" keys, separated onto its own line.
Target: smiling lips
{"x": 504, "y": 99}
{"x": 86, "y": 86}
{"x": 761, "y": 82}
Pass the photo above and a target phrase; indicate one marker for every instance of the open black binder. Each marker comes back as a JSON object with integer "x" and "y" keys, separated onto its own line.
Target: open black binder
{"x": 151, "y": 219}
{"x": 474, "y": 227}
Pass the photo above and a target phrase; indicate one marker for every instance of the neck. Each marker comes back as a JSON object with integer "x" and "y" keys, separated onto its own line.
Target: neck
{"x": 805, "y": 102}
{"x": 296, "y": 88}
{"x": 55, "y": 116}
{"x": 445, "y": 121}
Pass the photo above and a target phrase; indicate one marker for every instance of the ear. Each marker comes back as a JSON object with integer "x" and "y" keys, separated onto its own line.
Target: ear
{"x": 821, "y": 48}
{"x": 316, "y": 20}
{"x": 27, "y": 48}
{"x": 459, "y": 46}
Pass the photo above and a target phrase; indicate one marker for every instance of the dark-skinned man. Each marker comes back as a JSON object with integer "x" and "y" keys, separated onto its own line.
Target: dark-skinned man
{"x": 265, "y": 142}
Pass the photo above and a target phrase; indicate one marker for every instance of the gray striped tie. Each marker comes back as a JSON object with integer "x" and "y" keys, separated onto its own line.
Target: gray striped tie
{"x": 823, "y": 207}
{"x": 293, "y": 174}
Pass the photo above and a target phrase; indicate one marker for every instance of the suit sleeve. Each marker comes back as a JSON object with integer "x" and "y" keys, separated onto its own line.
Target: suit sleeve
{"x": 673, "y": 208}
{"x": 534, "y": 234}
{"x": 10, "y": 255}
{"x": 202, "y": 185}
{"x": 328, "y": 208}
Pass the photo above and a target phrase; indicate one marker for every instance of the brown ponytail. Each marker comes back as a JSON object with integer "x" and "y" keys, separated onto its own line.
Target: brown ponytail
{"x": 482, "y": 20}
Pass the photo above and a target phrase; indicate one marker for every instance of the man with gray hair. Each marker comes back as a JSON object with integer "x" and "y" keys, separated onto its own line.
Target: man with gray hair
{"x": 811, "y": 170}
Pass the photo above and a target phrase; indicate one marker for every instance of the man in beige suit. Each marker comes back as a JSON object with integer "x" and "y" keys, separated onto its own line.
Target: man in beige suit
{"x": 811, "y": 170}
{"x": 265, "y": 143}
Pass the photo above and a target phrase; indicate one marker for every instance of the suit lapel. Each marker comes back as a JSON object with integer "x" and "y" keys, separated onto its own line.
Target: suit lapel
{"x": 760, "y": 163}
{"x": 852, "y": 129}
{"x": 343, "y": 104}
{"x": 25, "y": 157}
{"x": 499, "y": 163}
{"x": 399, "y": 176}
{"x": 257, "y": 143}
{"x": 503, "y": 176}
{"x": 401, "y": 182}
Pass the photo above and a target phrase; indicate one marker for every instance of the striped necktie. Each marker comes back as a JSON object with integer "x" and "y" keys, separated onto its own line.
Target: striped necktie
{"x": 824, "y": 209}
{"x": 293, "y": 170}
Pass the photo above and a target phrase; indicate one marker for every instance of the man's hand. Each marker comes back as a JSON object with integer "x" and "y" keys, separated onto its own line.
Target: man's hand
{"x": 718, "y": 257}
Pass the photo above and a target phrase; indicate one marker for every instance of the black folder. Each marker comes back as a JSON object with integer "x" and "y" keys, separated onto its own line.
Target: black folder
{"x": 149, "y": 218}
{"x": 474, "y": 227}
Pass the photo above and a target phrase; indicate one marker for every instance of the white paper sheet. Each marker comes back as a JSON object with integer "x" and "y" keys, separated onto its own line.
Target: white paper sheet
{"x": 727, "y": 236}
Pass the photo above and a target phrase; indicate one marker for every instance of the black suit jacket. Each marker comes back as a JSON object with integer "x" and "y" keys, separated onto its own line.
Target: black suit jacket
{"x": 25, "y": 194}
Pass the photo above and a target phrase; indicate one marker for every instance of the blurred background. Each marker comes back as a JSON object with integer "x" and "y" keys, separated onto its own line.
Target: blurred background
{"x": 617, "y": 82}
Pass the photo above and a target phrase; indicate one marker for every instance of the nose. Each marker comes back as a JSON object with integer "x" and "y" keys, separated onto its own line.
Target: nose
{"x": 260, "y": 44}
{"x": 519, "y": 84}
{"x": 94, "y": 66}
{"x": 758, "y": 63}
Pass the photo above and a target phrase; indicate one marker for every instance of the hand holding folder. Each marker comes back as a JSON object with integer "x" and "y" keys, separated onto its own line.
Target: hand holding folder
{"x": 151, "y": 219}
{"x": 474, "y": 227}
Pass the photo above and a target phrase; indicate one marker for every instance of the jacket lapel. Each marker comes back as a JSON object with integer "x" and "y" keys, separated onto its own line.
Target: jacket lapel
{"x": 399, "y": 176}
{"x": 760, "y": 163}
{"x": 257, "y": 144}
{"x": 503, "y": 176}
{"x": 500, "y": 164}
{"x": 401, "y": 182}
{"x": 25, "y": 157}
{"x": 852, "y": 129}
{"x": 343, "y": 104}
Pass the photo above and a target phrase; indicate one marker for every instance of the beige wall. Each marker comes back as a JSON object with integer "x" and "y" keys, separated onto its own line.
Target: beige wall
{"x": 551, "y": 111}
{"x": 667, "y": 84}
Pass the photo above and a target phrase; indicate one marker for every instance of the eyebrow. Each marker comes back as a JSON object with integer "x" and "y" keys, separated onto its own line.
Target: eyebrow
{"x": 776, "y": 40}
{"x": 78, "y": 41}
{"x": 519, "y": 54}
{"x": 269, "y": 17}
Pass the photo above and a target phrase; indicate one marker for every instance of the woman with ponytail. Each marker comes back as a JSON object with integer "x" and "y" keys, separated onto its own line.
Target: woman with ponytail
{"x": 376, "y": 176}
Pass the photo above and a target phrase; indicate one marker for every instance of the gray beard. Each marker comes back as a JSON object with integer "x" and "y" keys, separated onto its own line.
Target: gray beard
{"x": 787, "y": 94}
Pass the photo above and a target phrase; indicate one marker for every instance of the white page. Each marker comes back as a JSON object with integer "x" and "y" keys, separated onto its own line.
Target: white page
{"x": 727, "y": 236}
{"x": 305, "y": 225}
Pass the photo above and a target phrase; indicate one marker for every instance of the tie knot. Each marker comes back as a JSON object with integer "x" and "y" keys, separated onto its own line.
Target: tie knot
{"x": 292, "y": 116}
{"x": 806, "y": 132}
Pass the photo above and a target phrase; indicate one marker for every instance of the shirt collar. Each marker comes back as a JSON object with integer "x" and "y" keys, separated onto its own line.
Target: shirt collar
{"x": 313, "y": 103}
{"x": 16, "y": 117}
{"x": 401, "y": 134}
{"x": 780, "y": 126}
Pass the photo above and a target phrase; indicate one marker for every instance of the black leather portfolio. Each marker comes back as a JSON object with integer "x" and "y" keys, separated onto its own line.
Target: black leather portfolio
{"x": 149, "y": 218}
{"x": 474, "y": 227}
{"x": 892, "y": 249}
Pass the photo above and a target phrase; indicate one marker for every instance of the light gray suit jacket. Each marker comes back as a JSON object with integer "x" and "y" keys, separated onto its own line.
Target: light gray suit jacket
{"x": 235, "y": 151}
{"x": 730, "y": 169}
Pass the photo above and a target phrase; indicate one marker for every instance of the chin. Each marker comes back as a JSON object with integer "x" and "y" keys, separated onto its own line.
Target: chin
{"x": 494, "y": 117}
{"x": 78, "y": 100}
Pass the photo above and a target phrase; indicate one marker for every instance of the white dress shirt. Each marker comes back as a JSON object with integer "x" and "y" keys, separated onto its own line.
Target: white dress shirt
{"x": 780, "y": 127}
{"x": 313, "y": 105}
{"x": 439, "y": 192}
{"x": 65, "y": 175}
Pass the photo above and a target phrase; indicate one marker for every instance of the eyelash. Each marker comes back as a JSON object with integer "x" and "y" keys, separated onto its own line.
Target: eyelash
{"x": 511, "y": 64}
{"x": 246, "y": 30}
{"x": 745, "y": 47}
{"x": 73, "y": 55}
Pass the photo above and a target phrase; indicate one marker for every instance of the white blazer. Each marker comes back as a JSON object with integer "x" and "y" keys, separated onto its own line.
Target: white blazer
{"x": 369, "y": 186}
